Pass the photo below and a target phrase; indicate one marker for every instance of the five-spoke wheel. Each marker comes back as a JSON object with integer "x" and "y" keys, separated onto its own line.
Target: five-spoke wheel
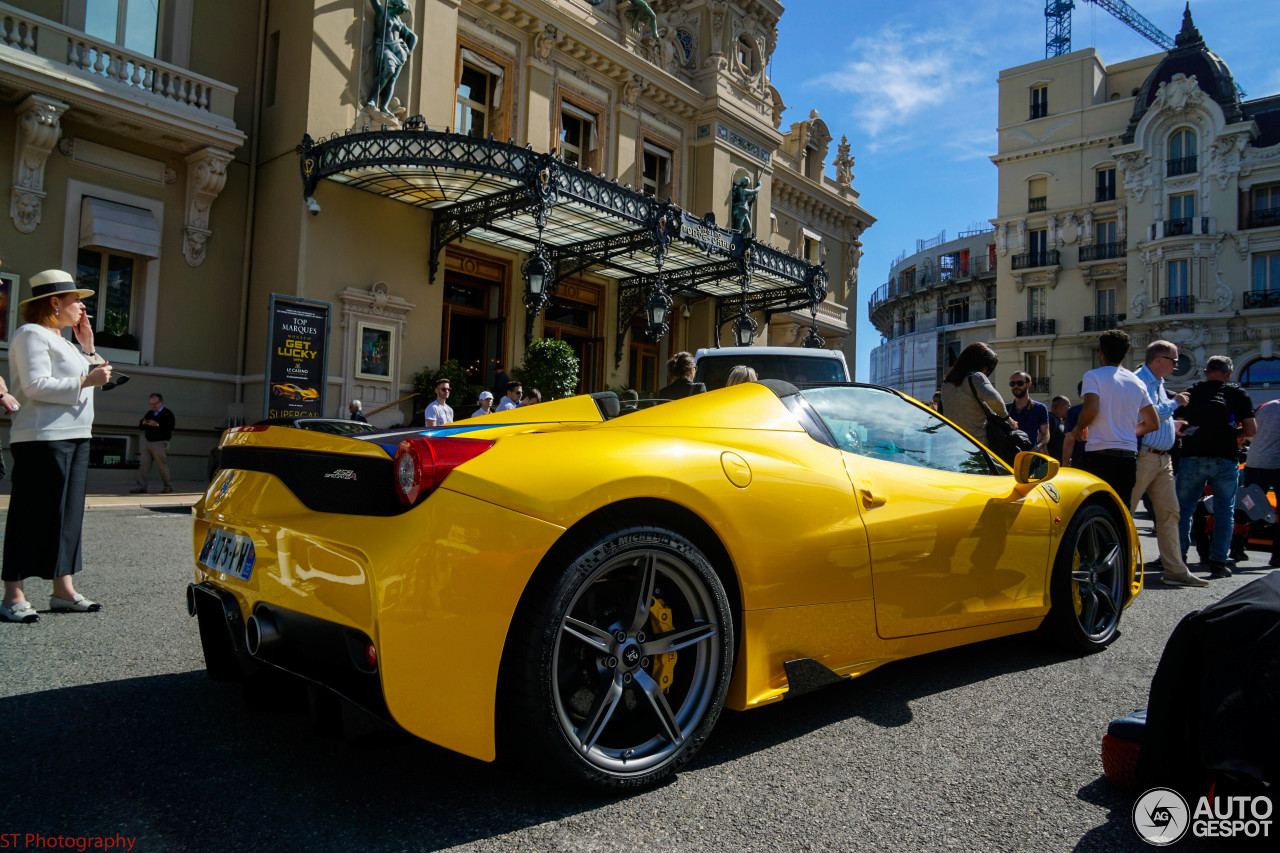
{"x": 1087, "y": 589}
{"x": 631, "y": 656}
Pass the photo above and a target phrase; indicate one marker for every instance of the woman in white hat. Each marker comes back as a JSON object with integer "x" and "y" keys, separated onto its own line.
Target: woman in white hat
{"x": 53, "y": 381}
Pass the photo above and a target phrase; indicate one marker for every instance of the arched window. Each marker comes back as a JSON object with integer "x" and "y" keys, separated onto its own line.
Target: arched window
{"x": 1182, "y": 152}
{"x": 1263, "y": 372}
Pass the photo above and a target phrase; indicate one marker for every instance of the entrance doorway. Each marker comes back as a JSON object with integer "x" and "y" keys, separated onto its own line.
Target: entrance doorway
{"x": 572, "y": 316}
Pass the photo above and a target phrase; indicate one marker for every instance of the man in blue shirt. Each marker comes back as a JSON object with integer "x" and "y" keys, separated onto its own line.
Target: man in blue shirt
{"x": 1032, "y": 417}
{"x": 1155, "y": 467}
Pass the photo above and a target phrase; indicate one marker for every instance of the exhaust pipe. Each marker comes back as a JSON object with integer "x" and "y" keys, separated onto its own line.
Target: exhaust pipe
{"x": 260, "y": 631}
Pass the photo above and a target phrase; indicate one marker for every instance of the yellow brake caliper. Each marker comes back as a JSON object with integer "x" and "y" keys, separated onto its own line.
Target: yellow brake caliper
{"x": 664, "y": 666}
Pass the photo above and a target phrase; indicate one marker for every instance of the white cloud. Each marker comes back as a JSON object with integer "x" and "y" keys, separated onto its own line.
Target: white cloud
{"x": 901, "y": 76}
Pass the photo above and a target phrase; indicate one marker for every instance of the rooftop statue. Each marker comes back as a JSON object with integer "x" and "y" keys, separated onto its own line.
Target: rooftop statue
{"x": 638, "y": 11}
{"x": 393, "y": 41}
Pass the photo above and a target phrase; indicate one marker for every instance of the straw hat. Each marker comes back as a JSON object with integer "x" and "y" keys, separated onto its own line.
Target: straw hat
{"x": 53, "y": 283}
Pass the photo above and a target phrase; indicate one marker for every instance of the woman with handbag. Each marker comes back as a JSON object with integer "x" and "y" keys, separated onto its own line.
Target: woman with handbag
{"x": 972, "y": 402}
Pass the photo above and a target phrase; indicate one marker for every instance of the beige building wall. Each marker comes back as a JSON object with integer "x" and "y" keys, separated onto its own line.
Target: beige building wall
{"x": 218, "y": 171}
{"x": 1177, "y": 245}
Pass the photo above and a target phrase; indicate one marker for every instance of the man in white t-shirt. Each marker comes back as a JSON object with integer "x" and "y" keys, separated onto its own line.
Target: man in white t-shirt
{"x": 438, "y": 412}
{"x": 1117, "y": 409}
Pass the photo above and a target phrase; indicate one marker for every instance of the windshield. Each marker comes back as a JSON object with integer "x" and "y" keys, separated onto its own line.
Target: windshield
{"x": 879, "y": 424}
{"x": 713, "y": 370}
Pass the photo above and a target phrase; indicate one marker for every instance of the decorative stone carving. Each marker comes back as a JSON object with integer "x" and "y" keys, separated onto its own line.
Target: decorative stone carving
{"x": 544, "y": 43}
{"x": 1136, "y": 167}
{"x": 1053, "y": 235}
{"x": 631, "y": 90}
{"x": 1022, "y": 236}
{"x": 206, "y": 176}
{"x": 1086, "y": 228}
{"x": 38, "y": 131}
{"x": 1222, "y": 295}
{"x": 843, "y": 163}
{"x": 1179, "y": 94}
{"x": 1122, "y": 223}
{"x": 1138, "y": 305}
{"x": 1002, "y": 239}
{"x": 1224, "y": 157}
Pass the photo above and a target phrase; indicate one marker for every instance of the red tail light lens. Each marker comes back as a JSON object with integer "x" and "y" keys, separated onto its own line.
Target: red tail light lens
{"x": 421, "y": 464}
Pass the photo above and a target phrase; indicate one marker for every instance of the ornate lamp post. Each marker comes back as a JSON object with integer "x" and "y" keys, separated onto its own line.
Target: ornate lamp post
{"x": 657, "y": 306}
{"x": 817, "y": 293}
{"x": 744, "y": 328}
{"x": 537, "y": 270}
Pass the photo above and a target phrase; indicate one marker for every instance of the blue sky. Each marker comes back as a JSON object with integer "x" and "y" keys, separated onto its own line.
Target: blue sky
{"x": 912, "y": 83}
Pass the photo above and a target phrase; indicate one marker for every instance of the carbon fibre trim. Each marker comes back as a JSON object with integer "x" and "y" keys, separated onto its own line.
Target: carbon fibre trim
{"x": 325, "y": 482}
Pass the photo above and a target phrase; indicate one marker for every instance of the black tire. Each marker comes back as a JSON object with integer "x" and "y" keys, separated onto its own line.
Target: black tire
{"x": 617, "y": 665}
{"x": 1087, "y": 587}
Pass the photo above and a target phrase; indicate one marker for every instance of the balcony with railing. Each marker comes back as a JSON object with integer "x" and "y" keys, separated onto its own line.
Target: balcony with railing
{"x": 1036, "y": 259}
{"x": 1102, "y": 322}
{"x": 1177, "y": 305}
{"x": 1040, "y": 202}
{"x": 161, "y": 102}
{"x": 1262, "y": 299}
{"x": 1180, "y": 166}
{"x": 1265, "y": 218}
{"x": 1039, "y": 385}
{"x": 1181, "y": 227}
{"x": 1027, "y": 328}
{"x": 1102, "y": 252}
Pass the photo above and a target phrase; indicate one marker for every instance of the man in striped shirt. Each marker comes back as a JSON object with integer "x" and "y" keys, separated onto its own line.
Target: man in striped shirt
{"x": 1155, "y": 468}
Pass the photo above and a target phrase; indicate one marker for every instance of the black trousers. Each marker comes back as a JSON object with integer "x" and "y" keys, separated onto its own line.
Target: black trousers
{"x": 46, "y": 509}
{"x": 1118, "y": 472}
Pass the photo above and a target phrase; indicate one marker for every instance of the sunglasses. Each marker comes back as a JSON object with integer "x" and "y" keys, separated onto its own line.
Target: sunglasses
{"x": 1016, "y": 384}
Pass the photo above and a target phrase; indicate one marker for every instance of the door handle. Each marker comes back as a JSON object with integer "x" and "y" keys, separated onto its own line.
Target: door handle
{"x": 870, "y": 500}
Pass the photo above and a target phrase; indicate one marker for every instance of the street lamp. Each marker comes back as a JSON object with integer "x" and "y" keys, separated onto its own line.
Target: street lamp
{"x": 744, "y": 328}
{"x": 656, "y": 309}
{"x": 535, "y": 271}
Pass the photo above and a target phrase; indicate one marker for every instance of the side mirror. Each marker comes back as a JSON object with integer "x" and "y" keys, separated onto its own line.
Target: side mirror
{"x": 1029, "y": 467}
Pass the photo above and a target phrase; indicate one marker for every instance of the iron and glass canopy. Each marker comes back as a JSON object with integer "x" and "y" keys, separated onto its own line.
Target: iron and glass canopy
{"x": 525, "y": 200}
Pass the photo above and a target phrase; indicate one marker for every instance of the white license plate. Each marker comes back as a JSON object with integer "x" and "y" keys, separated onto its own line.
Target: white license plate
{"x": 227, "y": 552}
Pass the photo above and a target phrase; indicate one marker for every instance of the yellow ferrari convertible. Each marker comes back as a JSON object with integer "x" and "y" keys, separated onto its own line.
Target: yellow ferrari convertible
{"x": 586, "y": 589}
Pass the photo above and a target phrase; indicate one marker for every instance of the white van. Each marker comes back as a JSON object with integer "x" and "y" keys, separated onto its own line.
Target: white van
{"x": 800, "y": 365}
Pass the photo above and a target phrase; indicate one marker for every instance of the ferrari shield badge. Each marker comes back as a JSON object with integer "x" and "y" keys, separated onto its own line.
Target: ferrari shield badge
{"x": 1051, "y": 490}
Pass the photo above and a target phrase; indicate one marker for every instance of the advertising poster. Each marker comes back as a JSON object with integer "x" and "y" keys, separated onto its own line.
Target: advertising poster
{"x": 297, "y": 357}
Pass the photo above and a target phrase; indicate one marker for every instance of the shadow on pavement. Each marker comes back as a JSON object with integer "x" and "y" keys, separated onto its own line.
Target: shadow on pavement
{"x": 178, "y": 762}
{"x": 882, "y": 697}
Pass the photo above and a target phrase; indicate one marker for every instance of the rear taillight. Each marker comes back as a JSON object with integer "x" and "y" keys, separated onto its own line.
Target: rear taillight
{"x": 422, "y": 463}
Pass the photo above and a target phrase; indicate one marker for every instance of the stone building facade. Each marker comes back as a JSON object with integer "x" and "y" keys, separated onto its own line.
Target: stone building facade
{"x": 165, "y": 168}
{"x": 1143, "y": 195}
{"x": 936, "y": 302}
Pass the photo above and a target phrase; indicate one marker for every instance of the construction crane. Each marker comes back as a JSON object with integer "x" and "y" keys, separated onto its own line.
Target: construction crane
{"x": 1057, "y": 24}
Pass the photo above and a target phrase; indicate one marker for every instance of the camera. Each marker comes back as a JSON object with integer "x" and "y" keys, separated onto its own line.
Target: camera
{"x": 313, "y": 206}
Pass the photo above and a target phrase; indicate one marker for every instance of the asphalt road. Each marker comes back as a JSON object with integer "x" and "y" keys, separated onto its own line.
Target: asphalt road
{"x": 109, "y": 727}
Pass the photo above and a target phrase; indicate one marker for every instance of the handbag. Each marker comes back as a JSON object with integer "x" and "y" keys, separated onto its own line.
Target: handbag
{"x": 1002, "y": 440}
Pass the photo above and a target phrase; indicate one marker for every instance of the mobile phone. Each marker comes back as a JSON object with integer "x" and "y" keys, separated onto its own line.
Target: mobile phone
{"x": 1189, "y": 430}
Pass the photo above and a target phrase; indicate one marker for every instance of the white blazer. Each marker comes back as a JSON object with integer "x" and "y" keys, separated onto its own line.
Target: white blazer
{"x": 47, "y": 369}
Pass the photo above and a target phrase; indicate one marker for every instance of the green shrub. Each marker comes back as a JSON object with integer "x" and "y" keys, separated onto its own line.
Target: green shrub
{"x": 464, "y": 393}
{"x": 551, "y": 367}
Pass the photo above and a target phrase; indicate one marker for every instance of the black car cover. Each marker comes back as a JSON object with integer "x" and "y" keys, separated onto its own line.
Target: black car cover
{"x": 1213, "y": 716}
